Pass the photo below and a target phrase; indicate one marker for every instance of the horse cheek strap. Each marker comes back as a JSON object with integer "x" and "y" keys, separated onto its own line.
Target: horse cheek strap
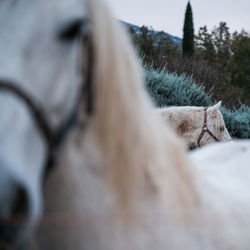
{"x": 88, "y": 91}
{"x": 205, "y": 129}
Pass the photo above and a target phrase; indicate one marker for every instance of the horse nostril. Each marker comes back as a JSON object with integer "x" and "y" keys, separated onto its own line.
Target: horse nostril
{"x": 21, "y": 202}
{"x": 14, "y": 223}
{"x": 192, "y": 146}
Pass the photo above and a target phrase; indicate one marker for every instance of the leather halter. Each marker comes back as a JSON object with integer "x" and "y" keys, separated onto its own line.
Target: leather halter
{"x": 55, "y": 137}
{"x": 205, "y": 129}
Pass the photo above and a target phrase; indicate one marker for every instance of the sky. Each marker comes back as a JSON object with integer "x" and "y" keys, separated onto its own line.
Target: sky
{"x": 168, "y": 15}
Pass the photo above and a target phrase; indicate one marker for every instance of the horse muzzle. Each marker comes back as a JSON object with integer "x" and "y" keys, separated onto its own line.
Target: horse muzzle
{"x": 14, "y": 215}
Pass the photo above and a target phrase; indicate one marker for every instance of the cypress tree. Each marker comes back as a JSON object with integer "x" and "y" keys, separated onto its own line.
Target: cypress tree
{"x": 188, "y": 33}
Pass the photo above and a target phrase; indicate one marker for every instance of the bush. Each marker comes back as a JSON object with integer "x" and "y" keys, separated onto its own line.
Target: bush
{"x": 238, "y": 121}
{"x": 171, "y": 90}
{"x": 167, "y": 89}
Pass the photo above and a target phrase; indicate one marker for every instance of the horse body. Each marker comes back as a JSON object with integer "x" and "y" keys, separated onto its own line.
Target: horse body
{"x": 135, "y": 189}
{"x": 188, "y": 123}
{"x": 92, "y": 218}
{"x": 225, "y": 179}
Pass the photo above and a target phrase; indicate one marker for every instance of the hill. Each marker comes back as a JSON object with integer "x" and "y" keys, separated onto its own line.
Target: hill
{"x": 137, "y": 28}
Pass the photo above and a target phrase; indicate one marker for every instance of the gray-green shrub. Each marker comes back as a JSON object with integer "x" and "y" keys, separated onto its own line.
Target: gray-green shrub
{"x": 172, "y": 90}
{"x": 238, "y": 121}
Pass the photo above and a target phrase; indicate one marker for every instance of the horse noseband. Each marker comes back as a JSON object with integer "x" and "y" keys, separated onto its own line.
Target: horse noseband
{"x": 205, "y": 129}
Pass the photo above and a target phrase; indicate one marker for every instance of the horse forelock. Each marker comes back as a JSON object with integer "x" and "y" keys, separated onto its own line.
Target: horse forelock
{"x": 126, "y": 127}
{"x": 217, "y": 119}
{"x": 221, "y": 120}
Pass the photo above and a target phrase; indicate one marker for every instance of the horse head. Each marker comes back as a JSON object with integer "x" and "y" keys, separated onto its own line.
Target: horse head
{"x": 197, "y": 126}
{"x": 213, "y": 127}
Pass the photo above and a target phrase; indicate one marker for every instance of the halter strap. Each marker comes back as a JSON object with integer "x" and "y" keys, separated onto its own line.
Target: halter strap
{"x": 53, "y": 138}
{"x": 205, "y": 129}
{"x": 88, "y": 88}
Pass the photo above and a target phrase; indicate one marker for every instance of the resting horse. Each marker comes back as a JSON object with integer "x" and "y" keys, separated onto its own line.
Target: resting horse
{"x": 115, "y": 185}
{"x": 198, "y": 126}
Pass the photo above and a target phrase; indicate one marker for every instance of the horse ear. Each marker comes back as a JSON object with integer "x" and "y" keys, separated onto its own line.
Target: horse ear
{"x": 216, "y": 107}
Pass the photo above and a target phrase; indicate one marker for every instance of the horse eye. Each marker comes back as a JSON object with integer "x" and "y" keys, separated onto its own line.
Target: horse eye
{"x": 71, "y": 31}
{"x": 222, "y": 129}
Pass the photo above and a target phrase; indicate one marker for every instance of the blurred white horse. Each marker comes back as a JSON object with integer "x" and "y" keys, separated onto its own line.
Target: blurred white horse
{"x": 116, "y": 186}
{"x": 196, "y": 125}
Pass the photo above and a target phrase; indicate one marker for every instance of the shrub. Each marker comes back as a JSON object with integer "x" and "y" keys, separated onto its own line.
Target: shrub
{"x": 171, "y": 90}
{"x": 238, "y": 121}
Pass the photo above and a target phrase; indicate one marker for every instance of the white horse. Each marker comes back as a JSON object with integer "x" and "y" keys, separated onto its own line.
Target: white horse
{"x": 198, "y": 126}
{"x": 116, "y": 186}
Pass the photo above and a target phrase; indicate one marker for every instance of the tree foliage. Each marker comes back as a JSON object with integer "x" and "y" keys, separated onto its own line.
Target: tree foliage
{"x": 215, "y": 46}
{"x": 205, "y": 48}
{"x": 240, "y": 65}
{"x": 188, "y": 33}
{"x": 153, "y": 46}
{"x": 229, "y": 53}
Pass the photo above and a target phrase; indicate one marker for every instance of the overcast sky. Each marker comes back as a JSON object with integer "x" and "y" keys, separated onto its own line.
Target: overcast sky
{"x": 168, "y": 15}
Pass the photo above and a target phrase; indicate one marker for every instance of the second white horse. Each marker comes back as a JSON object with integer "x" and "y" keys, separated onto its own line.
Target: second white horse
{"x": 198, "y": 126}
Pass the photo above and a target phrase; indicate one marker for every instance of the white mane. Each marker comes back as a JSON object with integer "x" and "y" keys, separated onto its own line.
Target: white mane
{"x": 120, "y": 124}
